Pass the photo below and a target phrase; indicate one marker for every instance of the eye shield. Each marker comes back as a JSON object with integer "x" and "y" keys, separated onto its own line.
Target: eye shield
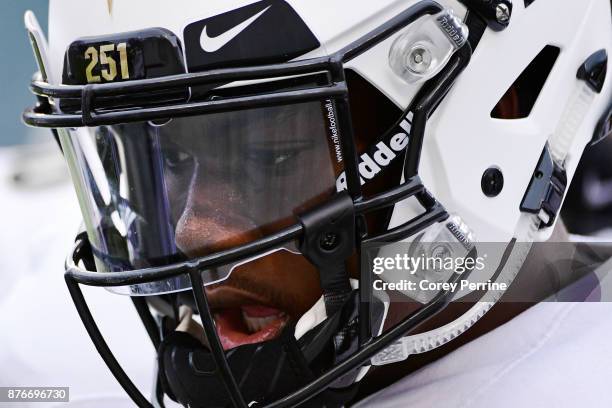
{"x": 189, "y": 164}
{"x": 165, "y": 191}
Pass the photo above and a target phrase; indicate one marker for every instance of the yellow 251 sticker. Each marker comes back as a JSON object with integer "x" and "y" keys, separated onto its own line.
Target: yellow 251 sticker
{"x": 101, "y": 60}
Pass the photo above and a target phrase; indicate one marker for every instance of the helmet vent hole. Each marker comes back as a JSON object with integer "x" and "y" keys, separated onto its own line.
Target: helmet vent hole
{"x": 520, "y": 98}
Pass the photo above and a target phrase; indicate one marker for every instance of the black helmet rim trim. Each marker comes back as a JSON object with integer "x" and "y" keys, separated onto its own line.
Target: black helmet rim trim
{"x": 423, "y": 105}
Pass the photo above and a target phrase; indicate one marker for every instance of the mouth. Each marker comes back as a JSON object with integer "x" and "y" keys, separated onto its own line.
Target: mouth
{"x": 248, "y": 324}
{"x": 242, "y": 317}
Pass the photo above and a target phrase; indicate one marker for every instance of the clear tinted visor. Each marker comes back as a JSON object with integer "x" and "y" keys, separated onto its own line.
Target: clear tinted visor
{"x": 156, "y": 193}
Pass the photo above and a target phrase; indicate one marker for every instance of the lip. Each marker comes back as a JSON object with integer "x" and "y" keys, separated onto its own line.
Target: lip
{"x": 225, "y": 296}
{"x": 228, "y": 305}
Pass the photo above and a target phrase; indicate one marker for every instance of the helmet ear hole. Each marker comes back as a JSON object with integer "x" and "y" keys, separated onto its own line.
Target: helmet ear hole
{"x": 508, "y": 105}
{"x": 521, "y": 96}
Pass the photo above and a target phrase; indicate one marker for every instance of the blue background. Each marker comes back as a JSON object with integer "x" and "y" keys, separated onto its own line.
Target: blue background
{"x": 16, "y": 68}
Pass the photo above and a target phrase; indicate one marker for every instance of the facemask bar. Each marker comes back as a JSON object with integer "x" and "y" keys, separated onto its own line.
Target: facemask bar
{"x": 425, "y": 102}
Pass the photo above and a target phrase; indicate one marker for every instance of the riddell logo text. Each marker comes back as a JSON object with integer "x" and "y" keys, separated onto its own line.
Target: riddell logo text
{"x": 370, "y": 166}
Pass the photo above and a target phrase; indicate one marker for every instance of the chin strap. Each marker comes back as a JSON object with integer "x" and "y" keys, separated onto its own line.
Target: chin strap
{"x": 268, "y": 370}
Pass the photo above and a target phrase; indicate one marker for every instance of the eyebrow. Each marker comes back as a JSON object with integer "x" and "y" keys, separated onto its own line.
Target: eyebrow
{"x": 283, "y": 143}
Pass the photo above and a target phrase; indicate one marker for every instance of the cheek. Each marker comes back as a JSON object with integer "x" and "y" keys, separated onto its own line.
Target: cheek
{"x": 289, "y": 280}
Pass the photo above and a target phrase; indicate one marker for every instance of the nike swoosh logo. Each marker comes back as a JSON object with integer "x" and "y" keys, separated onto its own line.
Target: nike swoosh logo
{"x": 212, "y": 44}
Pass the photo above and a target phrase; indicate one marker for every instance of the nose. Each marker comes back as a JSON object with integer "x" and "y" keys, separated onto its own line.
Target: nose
{"x": 213, "y": 220}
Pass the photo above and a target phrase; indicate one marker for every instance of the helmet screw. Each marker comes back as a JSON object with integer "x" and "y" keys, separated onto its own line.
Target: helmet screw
{"x": 492, "y": 182}
{"x": 329, "y": 241}
{"x": 502, "y": 13}
{"x": 419, "y": 59}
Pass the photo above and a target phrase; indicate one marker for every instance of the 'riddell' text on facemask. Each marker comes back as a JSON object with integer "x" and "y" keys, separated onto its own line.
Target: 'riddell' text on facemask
{"x": 382, "y": 155}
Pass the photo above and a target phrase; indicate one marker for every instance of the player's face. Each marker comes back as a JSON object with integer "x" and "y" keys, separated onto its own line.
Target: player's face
{"x": 249, "y": 183}
{"x": 238, "y": 177}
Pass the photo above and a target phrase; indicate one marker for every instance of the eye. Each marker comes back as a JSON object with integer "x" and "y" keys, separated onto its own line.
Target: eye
{"x": 175, "y": 158}
{"x": 272, "y": 157}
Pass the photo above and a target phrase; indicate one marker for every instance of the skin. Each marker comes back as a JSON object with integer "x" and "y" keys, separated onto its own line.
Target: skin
{"x": 222, "y": 202}
{"x": 212, "y": 214}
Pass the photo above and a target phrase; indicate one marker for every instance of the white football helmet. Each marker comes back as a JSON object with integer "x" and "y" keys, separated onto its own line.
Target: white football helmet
{"x": 311, "y": 129}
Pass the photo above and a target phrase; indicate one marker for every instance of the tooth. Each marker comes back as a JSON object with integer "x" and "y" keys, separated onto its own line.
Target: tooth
{"x": 255, "y": 324}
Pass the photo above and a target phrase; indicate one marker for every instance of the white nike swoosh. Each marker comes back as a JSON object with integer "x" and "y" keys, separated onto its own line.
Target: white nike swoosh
{"x": 212, "y": 44}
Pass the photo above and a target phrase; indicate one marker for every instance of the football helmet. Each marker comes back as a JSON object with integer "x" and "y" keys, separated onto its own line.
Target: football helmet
{"x": 204, "y": 138}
